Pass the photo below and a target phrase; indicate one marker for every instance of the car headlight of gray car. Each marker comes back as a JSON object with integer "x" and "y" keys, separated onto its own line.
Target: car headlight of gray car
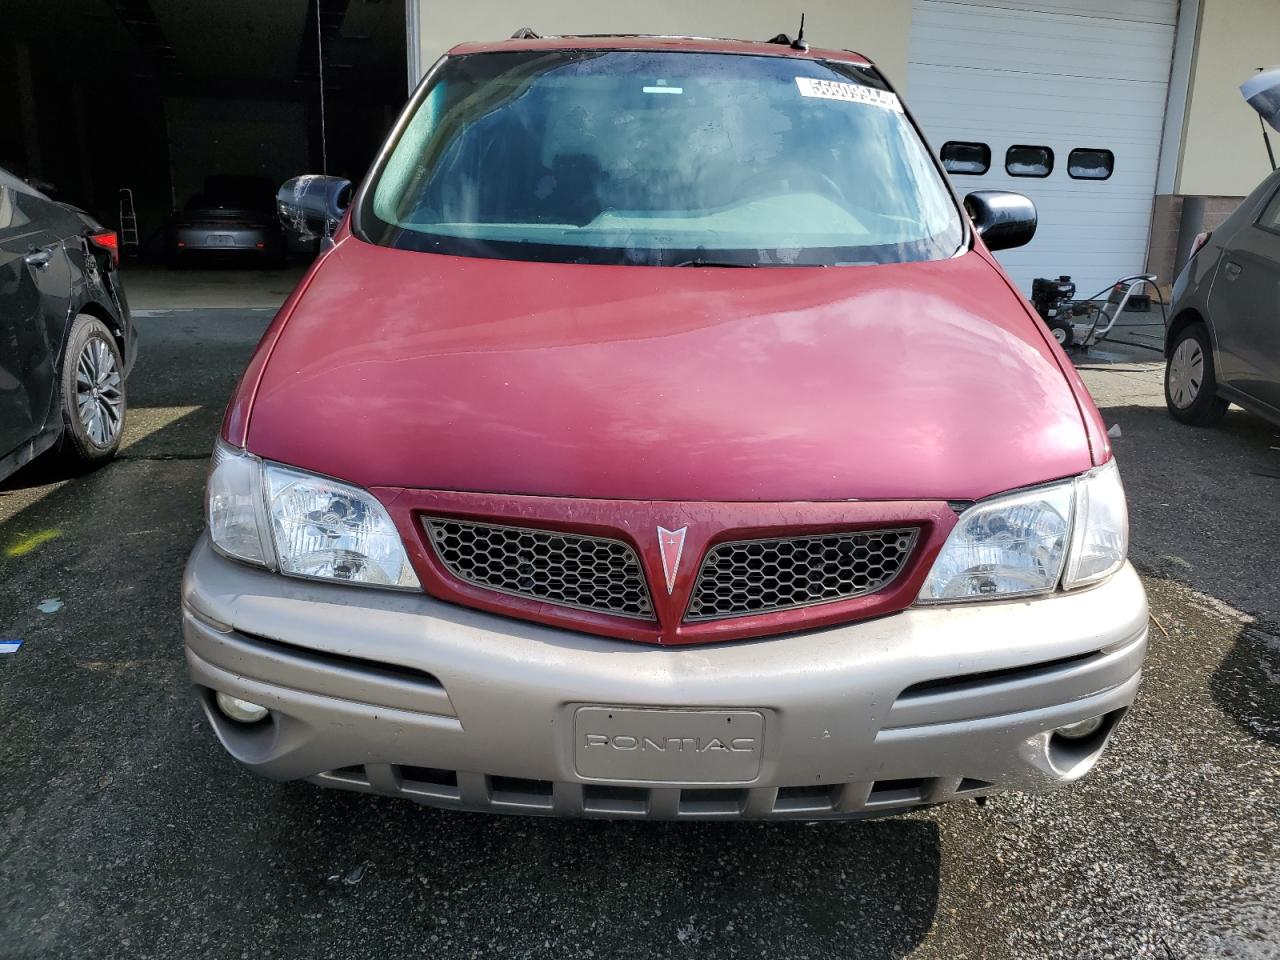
{"x": 1070, "y": 534}
{"x": 302, "y": 524}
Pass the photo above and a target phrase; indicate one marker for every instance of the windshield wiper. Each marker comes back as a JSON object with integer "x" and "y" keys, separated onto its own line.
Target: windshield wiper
{"x": 704, "y": 262}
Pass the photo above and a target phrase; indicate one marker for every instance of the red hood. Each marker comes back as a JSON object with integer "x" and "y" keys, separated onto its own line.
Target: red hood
{"x": 912, "y": 381}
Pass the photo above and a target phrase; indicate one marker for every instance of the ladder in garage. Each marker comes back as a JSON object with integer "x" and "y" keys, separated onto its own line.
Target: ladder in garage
{"x": 128, "y": 222}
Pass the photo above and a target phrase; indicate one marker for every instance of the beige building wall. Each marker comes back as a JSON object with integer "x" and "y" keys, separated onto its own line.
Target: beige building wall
{"x": 878, "y": 29}
{"x": 1222, "y": 150}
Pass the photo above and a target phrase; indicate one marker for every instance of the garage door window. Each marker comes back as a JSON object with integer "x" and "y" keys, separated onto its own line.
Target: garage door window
{"x": 1023, "y": 161}
{"x": 973, "y": 159}
{"x": 1085, "y": 163}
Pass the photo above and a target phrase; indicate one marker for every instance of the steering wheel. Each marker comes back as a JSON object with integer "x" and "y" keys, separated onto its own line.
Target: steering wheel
{"x": 785, "y": 178}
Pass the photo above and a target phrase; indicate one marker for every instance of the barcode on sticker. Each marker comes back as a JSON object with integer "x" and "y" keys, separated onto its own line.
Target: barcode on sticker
{"x": 852, "y": 92}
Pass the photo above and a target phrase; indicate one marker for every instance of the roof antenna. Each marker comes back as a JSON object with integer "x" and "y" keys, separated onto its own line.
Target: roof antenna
{"x": 324, "y": 140}
{"x": 799, "y": 43}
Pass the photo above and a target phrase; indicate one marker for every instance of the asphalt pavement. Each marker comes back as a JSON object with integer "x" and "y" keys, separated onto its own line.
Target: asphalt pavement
{"x": 126, "y": 832}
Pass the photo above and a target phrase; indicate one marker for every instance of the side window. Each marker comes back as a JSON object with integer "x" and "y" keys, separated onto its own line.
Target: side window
{"x": 1024, "y": 161}
{"x": 1270, "y": 219}
{"x": 13, "y": 220}
{"x": 958, "y": 156}
{"x": 1086, "y": 163}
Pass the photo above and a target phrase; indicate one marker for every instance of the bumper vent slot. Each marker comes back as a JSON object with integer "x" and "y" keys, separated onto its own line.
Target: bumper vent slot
{"x": 519, "y": 792}
{"x": 323, "y": 658}
{"x": 353, "y": 775}
{"x": 816, "y": 798}
{"x": 608, "y": 799}
{"x": 429, "y": 782}
{"x": 712, "y": 801}
{"x": 763, "y": 576}
{"x": 897, "y": 791}
{"x": 965, "y": 683}
{"x": 568, "y": 569}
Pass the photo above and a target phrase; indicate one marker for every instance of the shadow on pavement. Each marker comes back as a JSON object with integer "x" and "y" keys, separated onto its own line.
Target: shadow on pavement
{"x": 42, "y": 471}
{"x": 1246, "y": 685}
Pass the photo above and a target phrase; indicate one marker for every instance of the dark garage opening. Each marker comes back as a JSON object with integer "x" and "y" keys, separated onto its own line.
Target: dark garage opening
{"x": 157, "y": 95}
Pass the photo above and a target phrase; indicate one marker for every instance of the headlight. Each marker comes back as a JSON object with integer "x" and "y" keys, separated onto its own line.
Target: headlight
{"x": 1074, "y": 532}
{"x": 302, "y": 524}
{"x": 237, "y": 513}
{"x": 1100, "y": 537}
{"x": 1006, "y": 547}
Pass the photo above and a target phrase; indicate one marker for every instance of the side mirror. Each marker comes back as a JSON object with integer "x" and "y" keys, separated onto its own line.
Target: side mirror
{"x": 310, "y": 206}
{"x": 1003, "y": 219}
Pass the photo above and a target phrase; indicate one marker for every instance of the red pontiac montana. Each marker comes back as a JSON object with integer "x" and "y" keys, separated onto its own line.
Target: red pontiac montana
{"x": 657, "y": 437}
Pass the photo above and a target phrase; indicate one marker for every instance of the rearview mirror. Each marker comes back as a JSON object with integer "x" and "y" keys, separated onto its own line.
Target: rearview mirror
{"x": 311, "y": 206}
{"x": 1002, "y": 218}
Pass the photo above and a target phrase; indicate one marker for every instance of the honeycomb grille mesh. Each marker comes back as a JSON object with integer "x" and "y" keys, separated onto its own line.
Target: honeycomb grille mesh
{"x": 589, "y": 573}
{"x": 761, "y": 576}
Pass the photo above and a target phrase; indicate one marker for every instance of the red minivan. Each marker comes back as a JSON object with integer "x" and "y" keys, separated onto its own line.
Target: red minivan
{"x": 657, "y": 437}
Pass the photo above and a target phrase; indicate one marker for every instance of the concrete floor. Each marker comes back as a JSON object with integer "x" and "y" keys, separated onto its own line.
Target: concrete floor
{"x": 126, "y": 832}
{"x": 201, "y": 287}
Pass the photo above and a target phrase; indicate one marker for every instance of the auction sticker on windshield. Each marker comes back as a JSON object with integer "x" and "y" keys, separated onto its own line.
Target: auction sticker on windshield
{"x": 852, "y": 92}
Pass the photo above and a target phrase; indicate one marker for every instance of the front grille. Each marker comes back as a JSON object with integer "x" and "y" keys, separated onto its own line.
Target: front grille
{"x": 763, "y": 576}
{"x": 590, "y": 573}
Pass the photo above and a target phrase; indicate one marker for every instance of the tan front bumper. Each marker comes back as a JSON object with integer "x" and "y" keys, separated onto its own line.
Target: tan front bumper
{"x": 402, "y": 694}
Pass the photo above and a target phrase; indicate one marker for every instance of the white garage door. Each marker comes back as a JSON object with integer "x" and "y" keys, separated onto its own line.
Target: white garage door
{"x": 1066, "y": 75}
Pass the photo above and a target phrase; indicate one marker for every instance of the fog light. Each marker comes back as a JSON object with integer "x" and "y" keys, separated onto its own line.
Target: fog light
{"x": 241, "y": 711}
{"x": 1078, "y": 731}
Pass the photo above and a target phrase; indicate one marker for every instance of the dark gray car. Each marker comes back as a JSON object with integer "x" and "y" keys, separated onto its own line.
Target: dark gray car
{"x": 1223, "y": 340}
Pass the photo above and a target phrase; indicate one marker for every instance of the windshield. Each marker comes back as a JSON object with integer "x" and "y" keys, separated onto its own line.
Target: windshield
{"x": 658, "y": 158}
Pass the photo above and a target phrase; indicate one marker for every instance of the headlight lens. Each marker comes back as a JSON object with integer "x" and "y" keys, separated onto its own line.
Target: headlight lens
{"x": 1075, "y": 532}
{"x": 236, "y": 509}
{"x": 1007, "y": 547}
{"x": 302, "y": 524}
{"x": 1100, "y": 538}
{"x": 327, "y": 529}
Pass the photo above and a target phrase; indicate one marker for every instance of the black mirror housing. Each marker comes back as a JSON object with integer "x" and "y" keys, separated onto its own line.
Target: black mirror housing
{"x": 311, "y": 206}
{"x": 1002, "y": 218}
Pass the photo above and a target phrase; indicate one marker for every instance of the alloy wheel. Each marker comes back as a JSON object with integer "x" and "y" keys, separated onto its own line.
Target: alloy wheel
{"x": 99, "y": 399}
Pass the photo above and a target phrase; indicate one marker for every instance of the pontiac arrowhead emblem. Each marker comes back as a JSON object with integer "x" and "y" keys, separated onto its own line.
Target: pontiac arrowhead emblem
{"x": 671, "y": 543}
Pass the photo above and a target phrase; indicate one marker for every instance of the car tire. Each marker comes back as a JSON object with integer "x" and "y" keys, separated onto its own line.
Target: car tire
{"x": 91, "y": 393}
{"x": 1062, "y": 331}
{"x": 1190, "y": 381}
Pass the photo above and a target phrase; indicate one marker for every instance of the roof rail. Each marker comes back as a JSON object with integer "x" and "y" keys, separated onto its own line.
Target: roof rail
{"x": 525, "y": 33}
